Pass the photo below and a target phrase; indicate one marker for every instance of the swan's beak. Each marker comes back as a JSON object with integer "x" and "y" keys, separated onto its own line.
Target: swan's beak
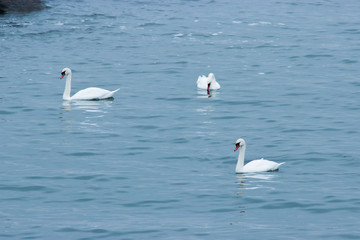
{"x": 208, "y": 86}
{"x": 62, "y": 75}
{"x": 236, "y": 147}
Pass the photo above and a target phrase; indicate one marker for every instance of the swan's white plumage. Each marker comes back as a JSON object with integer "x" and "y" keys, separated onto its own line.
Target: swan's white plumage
{"x": 91, "y": 93}
{"x": 259, "y": 165}
{"x": 204, "y": 81}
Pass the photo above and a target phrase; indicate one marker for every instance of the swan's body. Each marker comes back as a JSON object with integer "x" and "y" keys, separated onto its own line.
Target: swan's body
{"x": 208, "y": 83}
{"x": 260, "y": 165}
{"x": 91, "y": 93}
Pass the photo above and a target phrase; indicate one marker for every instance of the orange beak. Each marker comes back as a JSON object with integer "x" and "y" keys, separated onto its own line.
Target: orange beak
{"x": 236, "y": 147}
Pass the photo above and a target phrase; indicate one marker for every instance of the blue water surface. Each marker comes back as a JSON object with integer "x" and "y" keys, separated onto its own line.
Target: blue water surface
{"x": 157, "y": 161}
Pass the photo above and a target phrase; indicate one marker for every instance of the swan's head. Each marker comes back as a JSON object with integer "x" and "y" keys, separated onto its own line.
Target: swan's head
{"x": 239, "y": 144}
{"x": 210, "y": 79}
{"x": 65, "y": 71}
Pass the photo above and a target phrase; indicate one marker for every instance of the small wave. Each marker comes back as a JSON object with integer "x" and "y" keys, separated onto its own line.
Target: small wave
{"x": 318, "y": 55}
{"x": 81, "y": 154}
{"x": 152, "y": 24}
{"x": 349, "y": 61}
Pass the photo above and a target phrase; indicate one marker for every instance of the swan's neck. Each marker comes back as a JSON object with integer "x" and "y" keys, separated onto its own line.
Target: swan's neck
{"x": 240, "y": 162}
{"x": 67, "y": 91}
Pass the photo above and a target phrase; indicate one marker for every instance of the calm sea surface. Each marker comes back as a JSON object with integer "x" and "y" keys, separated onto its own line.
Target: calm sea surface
{"x": 157, "y": 161}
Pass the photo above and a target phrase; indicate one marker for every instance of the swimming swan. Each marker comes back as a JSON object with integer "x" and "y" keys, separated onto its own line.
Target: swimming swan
{"x": 208, "y": 83}
{"x": 260, "y": 165}
{"x": 91, "y": 93}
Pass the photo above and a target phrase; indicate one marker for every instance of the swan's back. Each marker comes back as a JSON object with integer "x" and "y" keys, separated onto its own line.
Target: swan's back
{"x": 261, "y": 165}
{"x": 93, "y": 93}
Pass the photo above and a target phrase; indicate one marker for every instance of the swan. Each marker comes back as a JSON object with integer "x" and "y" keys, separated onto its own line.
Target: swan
{"x": 91, "y": 93}
{"x": 260, "y": 165}
{"x": 208, "y": 83}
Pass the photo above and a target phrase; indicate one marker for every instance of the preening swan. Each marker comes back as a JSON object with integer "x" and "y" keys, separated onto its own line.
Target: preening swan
{"x": 91, "y": 93}
{"x": 260, "y": 165}
{"x": 208, "y": 83}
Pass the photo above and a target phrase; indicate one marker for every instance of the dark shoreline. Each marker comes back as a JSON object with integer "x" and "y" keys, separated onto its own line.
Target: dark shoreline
{"x": 21, "y": 6}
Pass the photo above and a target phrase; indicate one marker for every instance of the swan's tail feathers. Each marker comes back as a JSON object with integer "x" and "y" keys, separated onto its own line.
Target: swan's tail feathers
{"x": 115, "y": 91}
{"x": 276, "y": 168}
{"x": 110, "y": 94}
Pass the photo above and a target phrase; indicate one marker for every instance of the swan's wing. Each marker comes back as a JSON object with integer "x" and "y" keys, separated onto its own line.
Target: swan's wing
{"x": 91, "y": 93}
{"x": 215, "y": 85}
{"x": 261, "y": 165}
{"x": 202, "y": 82}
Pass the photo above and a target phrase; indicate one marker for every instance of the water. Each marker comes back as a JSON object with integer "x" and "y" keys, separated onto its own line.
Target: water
{"x": 157, "y": 162}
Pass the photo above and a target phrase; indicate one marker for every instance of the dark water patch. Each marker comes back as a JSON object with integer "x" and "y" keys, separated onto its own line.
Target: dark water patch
{"x": 254, "y": 200}
{"x": 352, "y": 31}
{"x": 124, "y": 233}
{"x": 44, "y": 33}
{"x": 84, "y": 200}
{"x": 3, "y": 112}
{"x": 318, "y": 56}
{"x": 103, "y": 180}
{"x": 298, "y": 130}
{"x": 333, "y": 209}
{"x": 149, "y": 203}
{"x": 98, "y": 15}
{"x": 14, "y": 199}
{"x": 223, "y": 210}
{"x": 7, "y": 235}
{"x": 180, "y": 183}
{"x": 349, "y": 61}
{"x": 285, "y": 205}
{"x": 179, "y": 140}
{"x": 28, "y": 110}
{"x": 146, "y": 127}
{"x": 144, "y": 117}
{"x": 26, "y": 188}
{"x": 202, "y": 196}
{"x": 177, "y": 158}
{"x": 247, "y": 102}
{"x": 81, "y": 154}
{"x": 345, "y": 236}
{"x": 120, "y": 178}
{"x": 151, "y": 24}
{"x": 86, "y": 177}
{"x": 98, "y": 230}
{"x": 41, "y": 177}
{"x": 68, "y": 229}
{"x": 225, "y": 117}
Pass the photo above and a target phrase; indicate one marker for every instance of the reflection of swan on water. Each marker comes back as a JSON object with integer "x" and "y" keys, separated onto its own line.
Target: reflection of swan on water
{"x": 252, "y": 181}
{"x": 202, "y": 93}
{"x": 87, "y": 106}
{"x": 260, "y": 165}
{"x": 86, "y": 115}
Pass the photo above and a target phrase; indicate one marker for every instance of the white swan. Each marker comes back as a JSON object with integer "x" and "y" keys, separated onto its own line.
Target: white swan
{"x": 208, "y": 83}
{"x": 91, "y": 93}
{"x": 260, "y": 165}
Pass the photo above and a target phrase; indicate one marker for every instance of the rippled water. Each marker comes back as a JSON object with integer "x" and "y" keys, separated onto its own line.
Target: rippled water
{"x": 157, "y": 162}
